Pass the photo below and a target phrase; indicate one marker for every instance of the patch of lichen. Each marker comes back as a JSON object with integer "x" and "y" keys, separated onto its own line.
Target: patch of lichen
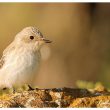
{"x": 99, "y": 101}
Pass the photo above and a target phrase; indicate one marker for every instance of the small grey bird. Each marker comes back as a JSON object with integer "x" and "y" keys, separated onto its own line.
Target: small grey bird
{"x": 21, "y": 58}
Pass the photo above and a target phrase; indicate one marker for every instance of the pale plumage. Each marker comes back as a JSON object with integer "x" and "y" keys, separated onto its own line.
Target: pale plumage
{"x": 21, "y": 58}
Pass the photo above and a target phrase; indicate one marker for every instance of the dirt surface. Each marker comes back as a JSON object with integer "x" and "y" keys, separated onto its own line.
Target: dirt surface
{"x": 57, "y": 97}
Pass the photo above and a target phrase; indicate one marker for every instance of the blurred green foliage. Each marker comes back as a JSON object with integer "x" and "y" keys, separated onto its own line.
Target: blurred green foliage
{"x": 88, "y": 84}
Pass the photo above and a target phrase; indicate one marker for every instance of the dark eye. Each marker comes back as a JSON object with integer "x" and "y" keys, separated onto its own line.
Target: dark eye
{"x": 31, "y": 37}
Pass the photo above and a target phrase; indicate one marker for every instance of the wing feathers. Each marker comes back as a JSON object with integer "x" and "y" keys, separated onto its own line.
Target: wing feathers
{"x": 2, "y": 62}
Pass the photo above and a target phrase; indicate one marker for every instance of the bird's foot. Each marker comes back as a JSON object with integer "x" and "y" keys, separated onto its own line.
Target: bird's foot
{"x": 30, "y": 88}
{"x": 6, "y": 90}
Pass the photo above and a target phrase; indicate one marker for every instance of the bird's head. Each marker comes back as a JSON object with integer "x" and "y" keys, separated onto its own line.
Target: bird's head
{"x": 31, "y": 37}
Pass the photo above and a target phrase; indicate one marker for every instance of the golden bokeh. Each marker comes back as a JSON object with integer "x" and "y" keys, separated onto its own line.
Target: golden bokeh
{"x": 80, "y": 33}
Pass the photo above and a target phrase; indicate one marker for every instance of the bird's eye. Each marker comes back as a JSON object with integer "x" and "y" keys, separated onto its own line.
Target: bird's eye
{"x": 31, "y": 37}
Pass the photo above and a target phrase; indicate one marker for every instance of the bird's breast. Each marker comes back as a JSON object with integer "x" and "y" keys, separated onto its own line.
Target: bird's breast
{"x": 21, "y": 62}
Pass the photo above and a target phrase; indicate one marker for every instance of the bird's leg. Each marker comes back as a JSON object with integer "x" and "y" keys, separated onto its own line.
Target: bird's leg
{"x": 30, "y": 88}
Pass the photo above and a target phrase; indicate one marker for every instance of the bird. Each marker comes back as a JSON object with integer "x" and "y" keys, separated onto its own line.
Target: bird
{"x": 21, "y": 58}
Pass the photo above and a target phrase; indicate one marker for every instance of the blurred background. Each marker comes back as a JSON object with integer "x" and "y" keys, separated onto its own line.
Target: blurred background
{"x": 81, "y": 39}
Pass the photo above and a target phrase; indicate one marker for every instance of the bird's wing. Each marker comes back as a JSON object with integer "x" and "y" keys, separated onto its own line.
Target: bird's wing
{"x": 5, "y": 52}
{"x": 8, "y": 49}
{"x": 2, "y": 60}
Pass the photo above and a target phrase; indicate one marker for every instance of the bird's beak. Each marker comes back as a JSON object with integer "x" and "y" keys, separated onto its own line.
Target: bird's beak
{"x": 46, "y": 41}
